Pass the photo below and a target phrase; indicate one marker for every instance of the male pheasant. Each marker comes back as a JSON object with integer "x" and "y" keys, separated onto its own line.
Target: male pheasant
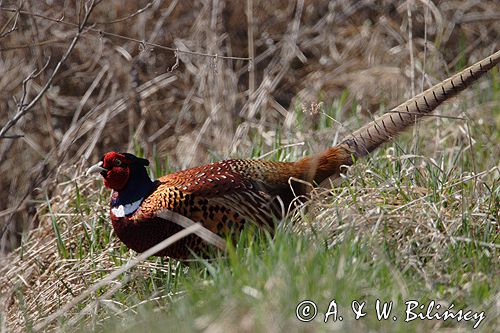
{"x": 224, "y": 196}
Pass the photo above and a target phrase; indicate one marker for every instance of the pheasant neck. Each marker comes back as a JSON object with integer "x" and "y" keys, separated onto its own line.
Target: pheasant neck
{"x": 127, "y": 200}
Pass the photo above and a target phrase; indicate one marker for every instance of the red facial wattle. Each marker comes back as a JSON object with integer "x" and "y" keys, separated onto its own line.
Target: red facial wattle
{"x": 117, "y": 178}
{"x": 117, "y": 171}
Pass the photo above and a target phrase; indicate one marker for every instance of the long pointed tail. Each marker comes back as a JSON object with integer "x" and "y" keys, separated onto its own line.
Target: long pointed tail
{"x": 372, "y": 135}
{"x": 369, "y": 137}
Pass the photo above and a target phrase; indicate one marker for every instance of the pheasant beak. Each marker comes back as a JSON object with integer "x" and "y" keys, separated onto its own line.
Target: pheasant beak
{"x": 96, "y": 168}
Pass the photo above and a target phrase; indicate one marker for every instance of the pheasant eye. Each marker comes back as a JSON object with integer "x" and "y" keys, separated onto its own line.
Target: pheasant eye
{"x": 117, "y": 162}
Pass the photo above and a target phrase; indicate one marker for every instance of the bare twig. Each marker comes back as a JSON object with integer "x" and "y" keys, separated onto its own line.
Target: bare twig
{"x": 14, "y": 25}
{"x": 33, "y": 75}
{"x": 106, "y": 33}
{"x": 23, "y": 109}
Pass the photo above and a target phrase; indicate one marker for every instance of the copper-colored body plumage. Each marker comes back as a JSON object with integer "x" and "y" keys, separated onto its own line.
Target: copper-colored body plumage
{"x": 225, "y": 196}
{"x": 222, "y": 196}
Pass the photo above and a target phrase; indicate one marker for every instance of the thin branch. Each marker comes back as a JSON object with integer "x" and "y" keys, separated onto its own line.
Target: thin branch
{"x": 105, "y": 33}
{"x": 14, "y": 25}
{"x": 23, "y": 109}
{"x": 33, "y": 75}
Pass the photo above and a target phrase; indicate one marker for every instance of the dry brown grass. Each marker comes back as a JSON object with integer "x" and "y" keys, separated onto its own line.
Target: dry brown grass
{"x": 305, "y": 51}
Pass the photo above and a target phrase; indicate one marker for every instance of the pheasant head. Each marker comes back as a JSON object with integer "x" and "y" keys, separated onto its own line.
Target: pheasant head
{"x": 118, "y": 169}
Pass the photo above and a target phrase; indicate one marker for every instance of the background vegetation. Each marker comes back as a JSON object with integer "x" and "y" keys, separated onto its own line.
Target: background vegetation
{"x": 171, "y": 80}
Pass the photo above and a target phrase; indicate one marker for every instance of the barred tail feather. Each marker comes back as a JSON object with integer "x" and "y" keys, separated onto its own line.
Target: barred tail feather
{"x": 369, "y": 137}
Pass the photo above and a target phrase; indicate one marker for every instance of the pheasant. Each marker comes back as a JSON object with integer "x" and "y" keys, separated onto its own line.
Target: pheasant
{"x": 225, "y": 196}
